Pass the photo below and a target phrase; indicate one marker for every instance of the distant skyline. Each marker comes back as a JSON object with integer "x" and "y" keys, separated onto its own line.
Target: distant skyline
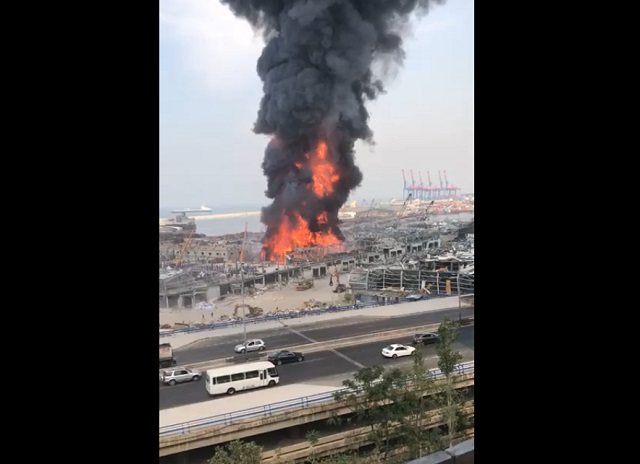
{"x": 210, "y": 93}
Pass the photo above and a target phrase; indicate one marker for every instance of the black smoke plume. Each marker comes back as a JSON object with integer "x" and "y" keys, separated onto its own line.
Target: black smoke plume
{"x": 316, "y": 70}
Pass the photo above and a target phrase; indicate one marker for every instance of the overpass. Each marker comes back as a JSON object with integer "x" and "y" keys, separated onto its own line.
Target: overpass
{"x": 183, "y": 437}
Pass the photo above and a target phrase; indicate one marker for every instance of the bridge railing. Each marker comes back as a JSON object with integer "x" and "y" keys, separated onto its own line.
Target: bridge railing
{"x": 279, "y": 317}
{"x": 269, "y": 409}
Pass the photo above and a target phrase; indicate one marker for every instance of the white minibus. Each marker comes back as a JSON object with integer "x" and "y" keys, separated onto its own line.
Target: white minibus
{"x": 240, "y": 377}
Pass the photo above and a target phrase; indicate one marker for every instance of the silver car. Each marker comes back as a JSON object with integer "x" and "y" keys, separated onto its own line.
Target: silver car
{"x": 179, "y": 374}
{"x": 255, "y": 344}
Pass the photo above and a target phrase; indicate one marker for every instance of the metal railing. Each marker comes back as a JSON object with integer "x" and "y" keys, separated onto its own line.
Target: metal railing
{"x": 269, "y": 409}
{"x": 279, "y": 317}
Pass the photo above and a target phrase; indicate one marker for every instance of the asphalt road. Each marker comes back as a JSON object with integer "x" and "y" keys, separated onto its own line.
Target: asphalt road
{"x": 321, "y": 364}
{"x": 222, "y": 347}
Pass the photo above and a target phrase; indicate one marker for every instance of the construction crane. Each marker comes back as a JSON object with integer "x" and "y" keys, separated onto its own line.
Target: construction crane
{"x": 370, "y": 208}
{"x": 446, "y": 181}
{"x": 421, "y": 185}
{"x": 401, "y": 212}
{"x": 430, "y": 185}
{"x": 441, "y": 185}
{"x": 184, "y": 247}
{"x": 426, "y": 211}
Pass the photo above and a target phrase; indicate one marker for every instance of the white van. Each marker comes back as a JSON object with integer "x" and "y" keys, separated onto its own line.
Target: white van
{"x": 240, "y": 377}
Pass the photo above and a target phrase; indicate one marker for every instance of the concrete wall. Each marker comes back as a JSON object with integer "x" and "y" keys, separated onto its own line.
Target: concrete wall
{"x": 213, "y": 292}
{"x": 459, "y": 454}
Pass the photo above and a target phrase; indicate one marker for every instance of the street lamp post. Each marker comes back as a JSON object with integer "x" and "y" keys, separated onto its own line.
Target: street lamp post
{"x": 244, "y": 319}
{"x": 459, "y": 295}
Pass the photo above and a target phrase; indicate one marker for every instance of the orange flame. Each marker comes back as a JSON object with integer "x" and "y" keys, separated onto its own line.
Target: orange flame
{"x": 293, "y": 231}
{"x": 324, "y": 174}
{"x": 290, "y": 236}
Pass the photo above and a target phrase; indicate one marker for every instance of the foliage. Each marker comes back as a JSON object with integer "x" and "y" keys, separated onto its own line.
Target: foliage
{"x": 237, "y": 452}
{"x": 371, "y": 399}
{"x": 312, "y": 436}
{"x": 415, "y": 401}
{"x": 351, "y": 458}
{"x": 448, "y": 359}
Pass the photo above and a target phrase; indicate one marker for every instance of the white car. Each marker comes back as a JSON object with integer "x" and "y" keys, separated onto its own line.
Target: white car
{"x": 397, "y": 350}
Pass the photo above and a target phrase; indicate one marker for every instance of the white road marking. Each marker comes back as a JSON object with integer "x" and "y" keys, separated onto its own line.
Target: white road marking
{"x": 347, "y": 358}
{"x": 299, "y": 334}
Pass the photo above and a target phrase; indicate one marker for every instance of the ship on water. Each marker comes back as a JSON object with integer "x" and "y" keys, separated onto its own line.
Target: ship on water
{"x": 181, "y": 223}
{"x": 185, "y": 211}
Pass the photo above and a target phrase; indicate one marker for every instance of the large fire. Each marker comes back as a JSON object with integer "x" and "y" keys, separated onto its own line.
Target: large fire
{"x": 324, "y": 173}
{"x": 294, "y": 230}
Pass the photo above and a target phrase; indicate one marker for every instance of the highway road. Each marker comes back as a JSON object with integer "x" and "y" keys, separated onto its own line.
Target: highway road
{"x": 222, "y": 347}
{"x": 322, "y": 364}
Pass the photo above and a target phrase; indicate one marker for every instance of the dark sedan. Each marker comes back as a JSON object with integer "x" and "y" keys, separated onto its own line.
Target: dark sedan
{"x": 283, "y": 357}
{"x": 425, "y": 338}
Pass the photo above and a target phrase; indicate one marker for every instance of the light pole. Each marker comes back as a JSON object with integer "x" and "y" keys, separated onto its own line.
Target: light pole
{"x": 244, "y": 319}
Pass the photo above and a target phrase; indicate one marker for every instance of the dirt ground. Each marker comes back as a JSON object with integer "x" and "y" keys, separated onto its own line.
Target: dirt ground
{"x": 271, "y": 299}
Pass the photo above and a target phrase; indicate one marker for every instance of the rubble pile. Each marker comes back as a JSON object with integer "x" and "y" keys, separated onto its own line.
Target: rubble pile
{"x": 313, "y": 304}
{"x": 204, "y": 306}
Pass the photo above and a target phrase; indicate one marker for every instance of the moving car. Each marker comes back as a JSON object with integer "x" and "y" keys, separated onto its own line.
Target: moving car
{"x": 427, "y": 338}
{"x": 397, "y": 350}
{"x": 179, "y": 374}
{"x": 255, "y": 344}
{"x": 285, "y": 356}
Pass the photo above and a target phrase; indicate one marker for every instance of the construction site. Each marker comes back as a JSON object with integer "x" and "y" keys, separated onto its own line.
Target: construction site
{"x": 415, "y": 248}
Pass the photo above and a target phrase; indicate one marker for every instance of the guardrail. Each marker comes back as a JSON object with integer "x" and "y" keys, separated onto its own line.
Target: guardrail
{"x": 279, "y": 317}
{"x": 268, "y": 409}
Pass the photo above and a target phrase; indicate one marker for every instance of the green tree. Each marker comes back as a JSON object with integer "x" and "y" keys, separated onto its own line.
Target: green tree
{"x": 371, "y": 397}
{"x": 312, "y": 436}
{"x": 350, "y": 458}
{"x": 237, "y": 452}
{"x": 415, "y": 402}
{"x": 448, "y": 359}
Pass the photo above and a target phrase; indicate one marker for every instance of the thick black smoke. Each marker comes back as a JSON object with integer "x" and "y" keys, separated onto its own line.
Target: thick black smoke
{"x": 317, "y": 73}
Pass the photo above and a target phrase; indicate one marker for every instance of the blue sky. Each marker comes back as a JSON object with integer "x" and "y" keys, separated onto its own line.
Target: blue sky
{"x": 210, "y": 93}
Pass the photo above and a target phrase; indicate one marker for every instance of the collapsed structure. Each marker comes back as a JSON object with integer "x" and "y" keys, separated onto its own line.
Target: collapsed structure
{"x": 387, "y": 254}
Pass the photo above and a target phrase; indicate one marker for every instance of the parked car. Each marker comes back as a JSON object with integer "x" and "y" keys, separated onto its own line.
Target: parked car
{"x": 397, "y": 350}
{"x": 179, "y": 374}
{"x": 255, "y": 344}
{"x": 427, "y": 338}
{"x": 284, "y": 357}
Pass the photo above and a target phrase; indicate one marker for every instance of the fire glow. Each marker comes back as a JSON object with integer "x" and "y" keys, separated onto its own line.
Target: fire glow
{"x": 294, "y": 231}
{"x": 317, "y": 70}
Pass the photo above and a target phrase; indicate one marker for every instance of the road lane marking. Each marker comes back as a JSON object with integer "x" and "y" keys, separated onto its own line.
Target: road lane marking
{"x": 299, "y": 334}
{"x": 347, "y": 358}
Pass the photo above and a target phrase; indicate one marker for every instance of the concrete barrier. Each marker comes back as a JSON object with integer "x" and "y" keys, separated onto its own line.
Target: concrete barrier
{"x": 329, "y": 344}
